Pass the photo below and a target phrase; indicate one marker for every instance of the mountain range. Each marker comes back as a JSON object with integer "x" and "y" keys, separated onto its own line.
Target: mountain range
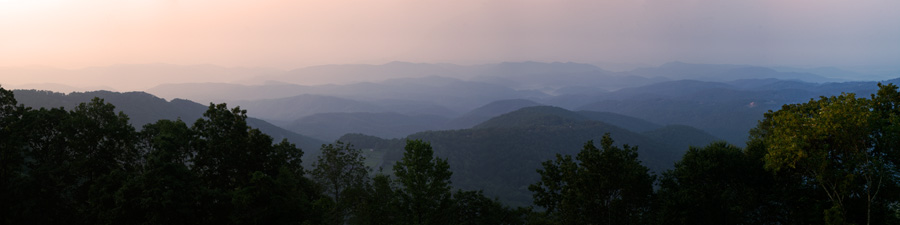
{"x": 495, "y": 123}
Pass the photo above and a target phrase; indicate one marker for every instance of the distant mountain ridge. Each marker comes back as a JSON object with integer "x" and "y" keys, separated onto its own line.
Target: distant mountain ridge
{"x": 623, "y": 121}
{"x": 727, "y": 110}
{"x": 725, "y": 100}
{"x": 331, "y": 126}
{"x": 489, "y": 111}
{"x": 447, "y": 92}
{"x": 291, "y": 108}
{"x": 131, "y": 77}
{"x": 534, "y": 116}
{"x": 545, "y": 76}
{"x": 724, "y": 72}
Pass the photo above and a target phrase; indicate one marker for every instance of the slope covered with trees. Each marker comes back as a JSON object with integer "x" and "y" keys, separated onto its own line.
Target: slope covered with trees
{"x": 143, "y": 108}
{"x": 831, "y": 160}
{"x": 90, "y": 166}
{"x": 501, "y": 154}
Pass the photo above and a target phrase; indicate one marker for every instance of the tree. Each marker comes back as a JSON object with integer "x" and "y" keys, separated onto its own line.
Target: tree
{"x": 717, "y": 184}
{"x": 233, "y": 160}
{"x": 48, "y": 189}
{"x": 424, "y": 185}
{"x": 12, "y": 159}
{"x": 473, "y": 208}
{"x": 844, "y": 145}
{"x": 165, "y": 191}
{"x": 279, "y": 199}
{"x": 340, "y": 169}
{"x": 11, "y": 151}
{"x": 227, "y": 149}
{"x": 73, "y": 159}
{"x": 380, "y": 205}
{"x": 608, "y": 186}
{"x": 104, "y": 153}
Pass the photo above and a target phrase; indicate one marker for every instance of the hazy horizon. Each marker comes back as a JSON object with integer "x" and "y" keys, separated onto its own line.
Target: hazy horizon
{"x": 293, "y": 34}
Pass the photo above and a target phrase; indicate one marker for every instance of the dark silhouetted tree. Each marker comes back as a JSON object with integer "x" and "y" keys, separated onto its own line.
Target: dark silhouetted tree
{"x": 424, "y": 185}
{"x": 341, "y": 171}
{"x": 608, "y": 186}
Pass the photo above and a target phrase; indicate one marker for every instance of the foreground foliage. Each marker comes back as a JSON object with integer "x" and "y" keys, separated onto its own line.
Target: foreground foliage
{"x": 608, "y": 186}
{"x": 828, "y": 161}
{"x": 843, "y": 146}
{"x": 90, "y": 166}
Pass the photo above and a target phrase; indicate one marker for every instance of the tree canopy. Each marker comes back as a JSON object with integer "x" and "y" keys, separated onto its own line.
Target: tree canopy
{"x": 601, "y": 186}
{"x": 844, "y": 145}
{"x": 832, "y": 160}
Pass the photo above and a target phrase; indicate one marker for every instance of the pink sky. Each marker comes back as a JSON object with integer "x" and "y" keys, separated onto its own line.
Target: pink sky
{"x": 288, "y": 34}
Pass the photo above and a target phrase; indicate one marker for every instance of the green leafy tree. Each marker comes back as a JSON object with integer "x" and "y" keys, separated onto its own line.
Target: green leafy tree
{"x": 273, "y": 200}
{"x": 228, "y": 151}
{"x": 341, "y": 171}
{"x": 225, "y": 159}
{"x": 73, "y": 159}
{"x": 90, "y": 166}
{"x": 101, "y": 139}
{"x": 11, "y": 149}
{"x": 104, "y": 152}
{"x": 236, "y": 163}
{"x": 843, "y": 144}
{"x": 608, "y": 186}
{"x": 424, "y": 185}
{"x": 12, "y": 159}
{"x": 165, "y": 190}
{"x": 473, "y": 208}
{"x": 380, "y": 204}
{"x": 717, "y": 184}
{"x": 167, "y": 141}
{"x": 48, "y": 189}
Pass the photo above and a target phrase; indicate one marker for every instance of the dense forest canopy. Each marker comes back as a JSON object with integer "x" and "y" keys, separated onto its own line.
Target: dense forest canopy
{"x": 828, "y": 161}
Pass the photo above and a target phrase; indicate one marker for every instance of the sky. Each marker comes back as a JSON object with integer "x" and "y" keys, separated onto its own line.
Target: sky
{"x": 289, "y": 34}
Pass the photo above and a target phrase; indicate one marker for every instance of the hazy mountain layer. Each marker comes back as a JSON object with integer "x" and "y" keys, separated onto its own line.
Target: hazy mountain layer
{"x": 722, "y": 72}
{"x": 489, "y": 111}
{"x": 331, "y": 126}
{"x": 623, "y": 121}
{"x": 451, "y": 93}
{"x": 127, "y": 77}
{"x": 727, "y": 110}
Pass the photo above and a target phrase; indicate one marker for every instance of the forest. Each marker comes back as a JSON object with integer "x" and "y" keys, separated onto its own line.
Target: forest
{"x": 831, "y": 160}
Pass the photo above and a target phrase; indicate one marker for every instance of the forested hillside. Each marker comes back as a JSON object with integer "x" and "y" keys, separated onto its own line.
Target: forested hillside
{"x": 831, "y": 160}
{"x": 89, "y": 165}
{"x": 500, "y": 155}
{"x": 143, "y": 108}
